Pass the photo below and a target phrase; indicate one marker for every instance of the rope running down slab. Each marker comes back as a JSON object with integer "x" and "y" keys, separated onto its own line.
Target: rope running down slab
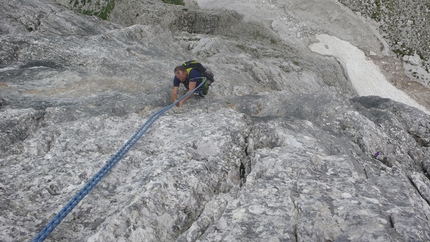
{"x": 106, "y": 168}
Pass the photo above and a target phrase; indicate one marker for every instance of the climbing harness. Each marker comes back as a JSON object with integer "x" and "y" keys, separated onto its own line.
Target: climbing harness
{"x": 106, "y": 168}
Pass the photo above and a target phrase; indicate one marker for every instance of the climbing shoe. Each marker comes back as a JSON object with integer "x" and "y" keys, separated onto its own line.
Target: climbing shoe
{"x": 199, "y": 92}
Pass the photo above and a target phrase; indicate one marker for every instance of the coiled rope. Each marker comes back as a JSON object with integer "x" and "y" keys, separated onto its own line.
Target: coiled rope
{"x": 106, "y": 168}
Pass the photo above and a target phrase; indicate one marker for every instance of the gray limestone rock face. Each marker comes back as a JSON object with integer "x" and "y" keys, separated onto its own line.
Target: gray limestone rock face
{"x": 281, "y": 149}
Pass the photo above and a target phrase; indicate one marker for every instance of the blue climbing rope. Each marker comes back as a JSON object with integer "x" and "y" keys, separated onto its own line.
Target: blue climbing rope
{"x": 106, "y": 168}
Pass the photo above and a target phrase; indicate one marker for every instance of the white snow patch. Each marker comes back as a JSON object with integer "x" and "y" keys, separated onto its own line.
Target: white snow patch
{"x": 365, "y": 75}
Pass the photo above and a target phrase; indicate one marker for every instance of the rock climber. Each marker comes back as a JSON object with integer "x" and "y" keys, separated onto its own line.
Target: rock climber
{"x": 189, "y": 77}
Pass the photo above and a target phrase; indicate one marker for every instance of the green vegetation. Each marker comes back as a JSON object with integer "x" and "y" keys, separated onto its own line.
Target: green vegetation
{"x": 273, "y": 41}
{"x": 376, "y": 14}
{"x": 176, "y": 2}
{"x": 403, "y": 50}
{"x": 105, "y": 12}
{"x": 99, "y": 8}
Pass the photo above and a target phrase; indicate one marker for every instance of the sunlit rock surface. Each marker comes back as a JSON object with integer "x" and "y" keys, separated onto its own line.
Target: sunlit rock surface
{"x": 283, "y": 148}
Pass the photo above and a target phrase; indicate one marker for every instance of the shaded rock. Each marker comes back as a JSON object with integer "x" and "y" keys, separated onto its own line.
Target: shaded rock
{"x": 17, "y": 125}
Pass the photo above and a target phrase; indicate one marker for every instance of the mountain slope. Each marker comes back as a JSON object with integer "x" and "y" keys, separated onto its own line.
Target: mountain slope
{"x": 282, "y": 148}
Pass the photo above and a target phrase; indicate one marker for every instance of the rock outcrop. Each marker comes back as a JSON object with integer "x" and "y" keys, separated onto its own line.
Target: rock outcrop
{"x": 282, "y": 148}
